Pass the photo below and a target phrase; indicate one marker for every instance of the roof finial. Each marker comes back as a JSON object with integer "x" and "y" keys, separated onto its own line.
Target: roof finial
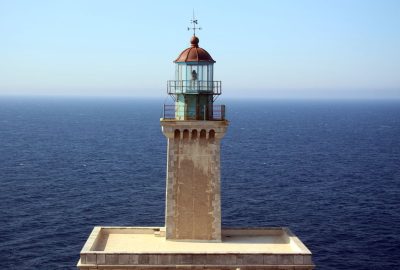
{"x": 194, "y": 22}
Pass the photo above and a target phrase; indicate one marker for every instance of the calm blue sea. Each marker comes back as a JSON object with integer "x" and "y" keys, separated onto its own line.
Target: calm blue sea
{"x": 329, "y": 170}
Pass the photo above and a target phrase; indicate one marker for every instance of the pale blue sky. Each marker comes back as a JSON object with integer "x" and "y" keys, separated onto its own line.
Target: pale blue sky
{"x": 271, "y": 49}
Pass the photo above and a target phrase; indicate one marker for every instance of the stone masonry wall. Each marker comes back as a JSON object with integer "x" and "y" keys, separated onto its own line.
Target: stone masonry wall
{"x": 193, "y": 203}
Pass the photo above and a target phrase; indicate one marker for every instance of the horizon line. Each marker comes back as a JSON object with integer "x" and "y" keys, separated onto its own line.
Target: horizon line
{"x": 152, "y": 97}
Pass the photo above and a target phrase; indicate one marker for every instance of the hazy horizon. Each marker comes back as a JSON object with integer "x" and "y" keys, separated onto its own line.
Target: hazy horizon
{"x": 223, "y": 98}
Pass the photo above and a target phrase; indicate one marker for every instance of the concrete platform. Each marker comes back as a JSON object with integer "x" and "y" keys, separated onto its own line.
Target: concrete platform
{"x": 146, "y": 247}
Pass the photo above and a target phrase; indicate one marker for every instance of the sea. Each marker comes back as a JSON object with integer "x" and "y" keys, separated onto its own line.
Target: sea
{"x": 327, "y": 169}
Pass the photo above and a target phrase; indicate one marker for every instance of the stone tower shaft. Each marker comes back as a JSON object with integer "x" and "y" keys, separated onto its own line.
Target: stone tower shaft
{"x": 193, "y": 201}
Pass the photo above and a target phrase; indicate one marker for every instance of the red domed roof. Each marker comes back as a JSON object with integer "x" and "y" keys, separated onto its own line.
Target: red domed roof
{"x": 194, "y": 53}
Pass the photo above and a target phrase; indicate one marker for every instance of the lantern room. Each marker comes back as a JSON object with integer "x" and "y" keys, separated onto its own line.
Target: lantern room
{"x": 194, "y": 90}
{"x": 194, "y": 64}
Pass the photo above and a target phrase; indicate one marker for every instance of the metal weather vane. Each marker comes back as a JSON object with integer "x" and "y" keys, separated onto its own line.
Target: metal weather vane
{"x": 194, "y": 22}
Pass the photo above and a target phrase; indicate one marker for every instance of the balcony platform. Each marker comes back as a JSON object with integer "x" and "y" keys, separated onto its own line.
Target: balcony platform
{"x": 146, "y": 247}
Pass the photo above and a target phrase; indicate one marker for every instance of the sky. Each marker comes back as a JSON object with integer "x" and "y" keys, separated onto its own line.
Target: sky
{"x": 263, "y": 49}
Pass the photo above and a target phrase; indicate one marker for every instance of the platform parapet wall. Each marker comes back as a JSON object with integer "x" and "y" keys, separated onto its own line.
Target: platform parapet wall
{"x": 146, "y": 248}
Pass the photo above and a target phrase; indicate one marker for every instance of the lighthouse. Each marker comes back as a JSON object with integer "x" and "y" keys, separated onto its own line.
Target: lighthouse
{"x": 192, "y": 237}
{"x": 194, "y": 127}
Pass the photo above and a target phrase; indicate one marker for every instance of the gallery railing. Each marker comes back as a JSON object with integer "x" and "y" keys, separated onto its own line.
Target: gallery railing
{"x": 194, "y": 87}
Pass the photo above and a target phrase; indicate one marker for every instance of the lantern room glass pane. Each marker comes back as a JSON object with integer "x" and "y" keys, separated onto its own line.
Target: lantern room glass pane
{"x": 203, "y": 72}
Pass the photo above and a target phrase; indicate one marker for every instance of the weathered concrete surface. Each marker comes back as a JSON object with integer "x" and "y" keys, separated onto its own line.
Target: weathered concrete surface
{"x": 193, "y": 203}
{"x": 147, "y": 248}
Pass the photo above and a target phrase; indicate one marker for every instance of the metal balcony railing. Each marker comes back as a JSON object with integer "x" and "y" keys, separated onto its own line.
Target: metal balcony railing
{"x": 194, "y": 87}
{"x": 182, "y": 112}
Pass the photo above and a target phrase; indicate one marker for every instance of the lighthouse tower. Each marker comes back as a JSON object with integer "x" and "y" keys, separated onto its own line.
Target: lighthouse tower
{"x": 194, "y": 126}
{"x": 192, "y": 237}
